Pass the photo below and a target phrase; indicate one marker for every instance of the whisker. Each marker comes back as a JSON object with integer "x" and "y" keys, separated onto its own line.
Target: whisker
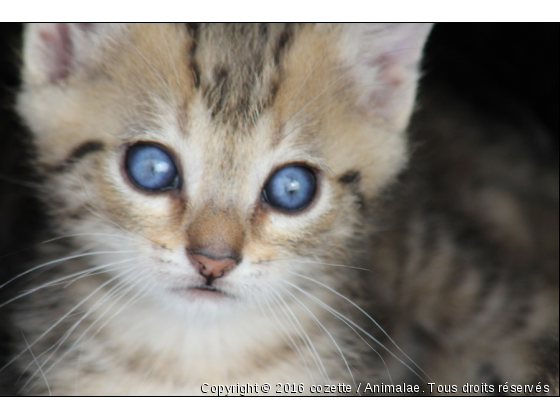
{"x": 84, "y": 234}
{"x": 120, "y": 310}
{"x": 115, "y": 289}
{"x": 63, "y": 317}
{"x": 59, "y": 260}
{"x": 311, "y": 346}
{"x": 80, "y": 274}
{"x": 96, "y": 272}
{"x": 295, "y": 346}
{"x": 346, "y": 321}
{"x": 28, "y": 184}
{"x": 141, "y": 293}
{"x": 76, "y": 381}
{"x": 37, "y": 362}
{"x": 329, "y": 264}
{"x": 320, "y": 325}
{"x": 372, "y": 320}
{"x": 60, "y": 238}
{"x": 62, "y": 339}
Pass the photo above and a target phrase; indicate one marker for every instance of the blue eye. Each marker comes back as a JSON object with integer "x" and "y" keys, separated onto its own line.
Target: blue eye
{"x": 290, "y": 188}
{"x": 151, "y": 168}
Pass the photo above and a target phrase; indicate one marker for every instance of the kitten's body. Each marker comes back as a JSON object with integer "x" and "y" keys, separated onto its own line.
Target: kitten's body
{"x": 444, "y": 263}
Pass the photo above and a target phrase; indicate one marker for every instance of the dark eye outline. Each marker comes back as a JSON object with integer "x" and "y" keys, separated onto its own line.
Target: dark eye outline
{"x": 176, "y": 186}
{"x": 318, "y": 177}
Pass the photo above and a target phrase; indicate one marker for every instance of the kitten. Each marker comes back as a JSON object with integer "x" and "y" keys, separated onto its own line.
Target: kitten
{"x": 237, "y": 204}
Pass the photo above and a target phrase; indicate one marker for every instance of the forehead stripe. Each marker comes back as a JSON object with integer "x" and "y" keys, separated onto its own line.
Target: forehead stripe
{"x": 86, "y": 148}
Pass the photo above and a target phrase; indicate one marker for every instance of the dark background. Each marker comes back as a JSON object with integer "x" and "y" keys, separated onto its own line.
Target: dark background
{"x": 504, "y": 70}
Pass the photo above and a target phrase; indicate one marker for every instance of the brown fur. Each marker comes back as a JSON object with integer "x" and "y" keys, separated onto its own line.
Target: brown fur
{"x": 444, "y": 256}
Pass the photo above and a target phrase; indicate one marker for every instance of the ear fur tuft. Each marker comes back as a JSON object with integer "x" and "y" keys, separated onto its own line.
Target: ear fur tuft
{"x": 54, "y": 51}
{"x": 385, "y": 59}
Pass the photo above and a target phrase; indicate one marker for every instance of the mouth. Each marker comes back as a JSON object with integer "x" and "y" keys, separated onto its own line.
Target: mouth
{"x": 206, "y": 287}
{"x": 202, "y": 291}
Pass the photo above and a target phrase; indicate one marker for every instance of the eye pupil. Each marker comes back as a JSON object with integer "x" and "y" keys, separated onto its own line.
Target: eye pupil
{"x": 151, "y": 168}
{"x": 290, "y": 188}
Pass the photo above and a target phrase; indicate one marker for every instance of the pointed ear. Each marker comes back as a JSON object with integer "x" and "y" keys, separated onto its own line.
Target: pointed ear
{"x": 54, "y": 51}
{"x": 385, "y": 61}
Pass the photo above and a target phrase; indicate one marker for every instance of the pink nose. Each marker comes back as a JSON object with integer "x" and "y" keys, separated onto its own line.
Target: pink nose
{"x": 210, "y": 268}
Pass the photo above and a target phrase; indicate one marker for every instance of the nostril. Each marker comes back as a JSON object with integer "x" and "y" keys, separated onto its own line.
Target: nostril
{"x": 195, "y": 262}
{"x": 210, "y": 267}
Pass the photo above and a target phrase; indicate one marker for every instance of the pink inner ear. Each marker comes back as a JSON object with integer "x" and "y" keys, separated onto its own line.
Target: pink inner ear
{"x": 390, "y": 54}
{"x": 58, "y": 50}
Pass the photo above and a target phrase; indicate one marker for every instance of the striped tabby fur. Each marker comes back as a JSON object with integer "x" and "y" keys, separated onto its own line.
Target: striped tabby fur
{"x": 417, "y": 268}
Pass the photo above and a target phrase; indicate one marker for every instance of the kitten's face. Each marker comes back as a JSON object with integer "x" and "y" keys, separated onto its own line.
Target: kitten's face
{"x": 222, "y": 162}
